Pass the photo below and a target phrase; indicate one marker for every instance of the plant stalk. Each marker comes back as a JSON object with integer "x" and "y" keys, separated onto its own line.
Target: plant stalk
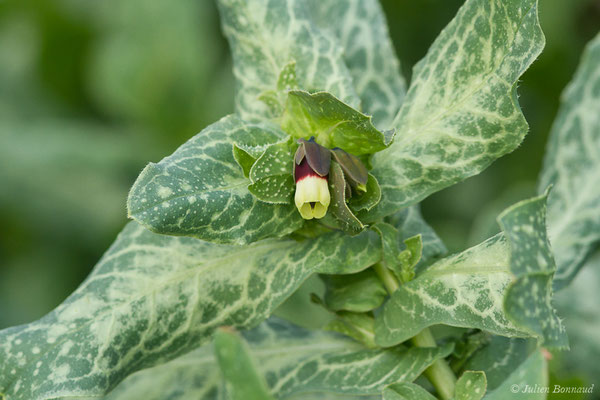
{"x": 439, "y": 373}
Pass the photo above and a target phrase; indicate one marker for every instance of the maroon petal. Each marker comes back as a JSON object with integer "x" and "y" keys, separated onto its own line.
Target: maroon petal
{"x": 318, "y": 157}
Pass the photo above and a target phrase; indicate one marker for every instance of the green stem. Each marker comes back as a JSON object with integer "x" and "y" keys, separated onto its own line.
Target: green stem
{"x": 439, "y": 373}
{"x": 387, "y": 277}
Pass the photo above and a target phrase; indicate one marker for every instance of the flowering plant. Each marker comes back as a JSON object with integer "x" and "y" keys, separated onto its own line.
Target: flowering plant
{"x": 319, "y": 173}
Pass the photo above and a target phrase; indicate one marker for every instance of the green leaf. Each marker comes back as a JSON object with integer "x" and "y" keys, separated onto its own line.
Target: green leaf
{"x": 500, "y": 358}
{"x": 276, "y": 189}
{"x": 361, "y": 28}
{"x": 389, "y": 244}
{"x": 470, "y": 386}
{"x": 579, "y": 304}
{"x": 243, "y": 380}
{"x": 572, "y": 165}
{"x": 200, "y": 190}
{"x": 409, "y": 258}
{"x": 366, "y": 200}
{"x": 461, "y": 110}
{"x": 272, "y": 176}
{"x": 406, "y": 391}
{"x": 265, "y": 38}
{"x": 409, "y": 223}
{"x": 530, "y": 374}
{"x": 338, "y": 207}
{"x": 492, "y": 286}
{"x": 293, "y": 360}
{"x": 154, "y": 297}
{"x": 528, "y": 299}
{"x": 359, "y": 292}
{"x": 244, "y": 160}
{"x": 464, "y": 290}
{"x": 358, "y": 326}
{"x": 332, "y": 123}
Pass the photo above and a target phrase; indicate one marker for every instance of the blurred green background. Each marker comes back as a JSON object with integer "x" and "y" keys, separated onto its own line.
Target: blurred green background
{"x": 90, "y": 91}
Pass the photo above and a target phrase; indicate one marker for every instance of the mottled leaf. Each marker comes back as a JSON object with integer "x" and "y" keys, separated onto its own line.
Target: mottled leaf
{"x": 470, "y": 386}
{"x": 572, "y": 165}
{"x": 361, "y": 28}
{"x": 500, "y": 358}
{"x": 522, "y": 381}
{"x": 332, "y": 122}
{"x": 461, "y": 110}
{"x": 154, "y": 297}
{"x": 528, "y": 299}
{"x": 578, "y": 303}
{"x": 242, "y": 379}
{"x": 465, "y": 289}
{"x": 271, "y": 175}
{"x": 278, "y": 159}
{"x": 275, "y": 189}
{"x": 484, "y": 287}
{"x": 356, "y": 292}
{"x": 406, "y": 391}
{"x": 200, "y": 190}
{"x": 265, "y": 37}
{"x": 293, "y": 360}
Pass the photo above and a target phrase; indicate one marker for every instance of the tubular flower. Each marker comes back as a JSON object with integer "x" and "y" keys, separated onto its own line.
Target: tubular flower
{"x": 311, "y": 170}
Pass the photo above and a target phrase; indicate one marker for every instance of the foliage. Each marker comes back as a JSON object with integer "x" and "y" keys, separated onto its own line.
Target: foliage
{"x": 217, "y": 244}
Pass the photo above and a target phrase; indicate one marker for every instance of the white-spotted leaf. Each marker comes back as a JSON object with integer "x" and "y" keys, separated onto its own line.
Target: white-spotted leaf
{"x": 154, "y": 297}
{"x": 361, "y": 28}
{"x": 460, "y": 112}
{"x": 492, "y": 286}
{"x": 295, "y": 362}
{"x": 201, "y": 191}
{"x": 572, "y": 166}
{"x": 265, "y": 37}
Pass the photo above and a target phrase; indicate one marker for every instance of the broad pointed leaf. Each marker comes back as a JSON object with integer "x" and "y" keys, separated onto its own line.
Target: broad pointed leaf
{"x": 461, "y": 110}
{"x": 154, "y": 297}
{"x": 369, "y": 54}
{"x": 500, "y": 358}
{"x": 293, "y": 360}
{"x": 492, "y": 286}
{"x": 201, "y": 191}
{"x": 572, "y": 165}
{"x": 333, "y": 123}
{"x": 243, "y": 380}
{"x": 265, "y": 37}
{"x": 528, "y": 299}
{"x": 530, "y": 374}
